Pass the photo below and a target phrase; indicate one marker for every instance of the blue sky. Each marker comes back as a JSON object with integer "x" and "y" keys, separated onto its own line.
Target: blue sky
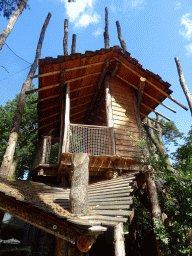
{"x": 155, "y": 32}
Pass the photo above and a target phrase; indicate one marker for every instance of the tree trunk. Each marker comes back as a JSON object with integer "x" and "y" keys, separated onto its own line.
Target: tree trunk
{"x": 106, "y": 34}
{"x": 183, "y": 83}
{"x": 2, "y": 213}
{"x": 11, "y": 23}
{"x": 123, "y": 44}
{"x": 8, "y": 156}
{"x": 79, "y": 183}
{"x": 119, "y": 244}
{"x": 61, "y": 247}
{"x": 132, "y": 232}
{"x": 65, "y": 39}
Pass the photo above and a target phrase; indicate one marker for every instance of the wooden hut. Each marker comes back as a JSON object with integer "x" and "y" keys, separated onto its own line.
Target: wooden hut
{"x": 87, "y": 103}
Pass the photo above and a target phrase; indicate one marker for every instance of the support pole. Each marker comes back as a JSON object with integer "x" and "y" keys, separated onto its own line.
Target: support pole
{"x": 183, "y": 83}
{"x": 73, "y": 46}
{"x": 67, "y": 119}
{"x": 106, "y": 34}
{"x": 79, "y": 183}
{"x": 109, "y": 113}
{"x": 122, "y": 42}
{"x": 2, "y": 213}
{"x": 119, "y": 245}
{"x": 132, "y": 232}
{"x": 65, "y": 38}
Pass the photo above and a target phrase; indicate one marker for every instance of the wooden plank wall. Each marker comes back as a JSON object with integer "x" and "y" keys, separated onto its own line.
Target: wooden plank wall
{"x": 125, "y": 124}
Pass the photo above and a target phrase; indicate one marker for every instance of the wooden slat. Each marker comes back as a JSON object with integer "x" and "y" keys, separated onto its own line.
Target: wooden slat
{"x": 122, "y": 202}
{"x": 110, "y": 195}
{"x": 128, "y": 149}
{"x": 112, "y": 213}
{"x": 47, "y": 117}
{"x": 82, "y": 88}
{"x": 108, "y": 218}
{"x": 41, "y": 127}
{"x": 48, "y": 98}
{"x": 68, "y": 69}
{"x": 111, "y": 207}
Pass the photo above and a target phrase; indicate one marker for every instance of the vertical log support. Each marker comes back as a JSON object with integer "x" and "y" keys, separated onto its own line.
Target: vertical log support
{"x": 151, "y": 186}
{"x": 109, "y": 110}
{"x": 141, "y": 90}
{"x": 73, "y": 46}
{"x": 119, "y": 245}
{"x": 132, "y": 232}
{"x": 79, "y": 183}
{"x": 106, "y": 34}
{"x": 65, "y": 38}
{"x": 183, "y": 83}
{"x": 67, "y": 120}
{"x": 122, "y": 42}
{"x": 62, "y": 84}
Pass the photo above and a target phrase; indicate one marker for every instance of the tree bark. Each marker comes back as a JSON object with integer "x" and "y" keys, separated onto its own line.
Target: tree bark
{"x": 61, "y": 247}
{"x": 123, "y": 44}
{"x": 132, "y": 232}
{"x": 2, "y": 213}
{"x": 65, "y": 38}
{"x": 119, "y": 245}
{"x": 11, "y": 23}
{"x": 73, "y": 47}
{"x": 79, "y": 183}
{"x": 106, "y": 34}
{"x": 183, "y": 83}
{"x": 8, "y": 156}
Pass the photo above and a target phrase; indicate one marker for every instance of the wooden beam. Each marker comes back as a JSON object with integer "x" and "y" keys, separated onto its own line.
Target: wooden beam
{"x": 81, "y": 88}
{"x": 50, "y": 107}
{"x": 47, "y": 117}
{"x": 48, "y": 98}
{"x": 117, "y": 65}
{"x": 119, "y": 245}
{"x": 154, "y": 120}
{"x": 38, "y": 218}
{"x": 69, "y": 69}
{"x": 156, "y": 111}
{"x": 93, "y": 101}
{"x": 48, "y": 124}
{"x": 155, "y": 86}
{"x": 151, "y": 127}
{"x": 148, "y": 95}
{"x": 141, "y": 90}
{"x": 67, "y": 119}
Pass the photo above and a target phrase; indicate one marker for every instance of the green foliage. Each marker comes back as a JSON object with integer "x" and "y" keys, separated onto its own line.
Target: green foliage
{"x": 175, "y": 194}
{"x": 172, "y": 240}
{"x": 27, "y": 140}
{"x": 7, "y": 7}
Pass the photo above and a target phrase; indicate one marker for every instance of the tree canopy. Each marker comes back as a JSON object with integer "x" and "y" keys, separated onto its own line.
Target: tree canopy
{"x": 7, "y": 7}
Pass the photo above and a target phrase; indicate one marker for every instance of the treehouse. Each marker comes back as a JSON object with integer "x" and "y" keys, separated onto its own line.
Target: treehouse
{"x": 94, "y": 103}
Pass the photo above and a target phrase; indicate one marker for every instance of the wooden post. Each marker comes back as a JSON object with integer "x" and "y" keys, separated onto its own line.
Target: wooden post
{"x": 65, "y": 38}
{"x": 119, "y": 244}
{"x": 106, "y": 34}
{"x": 132, "y": 232}
{"x": 183, "y": 83}
{"x": 123, "y": 44}
{"x": 67, "y": 119}
{"x": 61, "y": 247}
{"x": 73, "y": 46}
{"x": 109, "y": 113}
{"x": 141, "y": 90}
{"x": 62, "y": 83}
{"x": 79, "y": 183}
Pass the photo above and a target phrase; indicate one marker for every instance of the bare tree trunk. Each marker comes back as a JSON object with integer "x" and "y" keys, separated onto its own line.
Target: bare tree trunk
{"x": 8, "y": 156}
{"x": 11, "y": 23}
{"x": 123, "y": 44}
{"x": 119, "y": 244}
{"x": 2, "y": 213}
{"x": 73, "y": 47}
{"x": 106, "y": 34}
{"x": 65, "y": 38}
{"x": 183, "y": 83}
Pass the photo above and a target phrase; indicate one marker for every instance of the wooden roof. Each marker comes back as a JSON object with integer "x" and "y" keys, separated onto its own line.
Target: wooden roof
{"x": 109, "y": 203}
{"x": 83, "y": 71}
